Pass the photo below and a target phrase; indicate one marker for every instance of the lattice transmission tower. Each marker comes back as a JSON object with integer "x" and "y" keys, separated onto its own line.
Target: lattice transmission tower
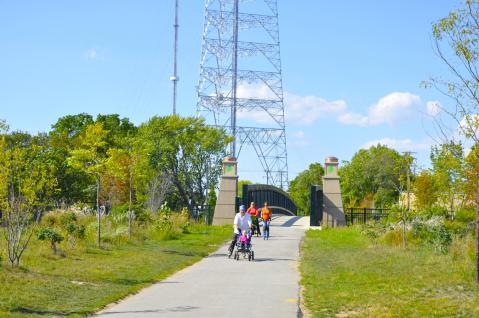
{"x": 240, "y": 87}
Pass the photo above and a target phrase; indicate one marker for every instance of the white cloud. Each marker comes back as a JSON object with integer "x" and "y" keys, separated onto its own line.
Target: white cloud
{"x": 433, "y": 108}
{"x": 91, "y": 54}
{"x": 307, "y": 109}
{"x": 398, "y": 144}
{"x": 254, "y": 91}
{"x": 389, "y": 109}
{"x": 298, "y": 109}
{"x": 299, "y": 134}
{"x": 350, "y": 118}
{"x": 299, "y": 139}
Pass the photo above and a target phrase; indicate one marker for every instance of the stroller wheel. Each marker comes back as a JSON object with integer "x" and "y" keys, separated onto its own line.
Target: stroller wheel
{"x": 249, "y": 257}
{"x": 252, "y": 255}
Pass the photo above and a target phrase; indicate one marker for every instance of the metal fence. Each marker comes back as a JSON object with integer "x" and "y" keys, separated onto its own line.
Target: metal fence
{"x": 203, "y": 213}
{"x": 364, "y": 215}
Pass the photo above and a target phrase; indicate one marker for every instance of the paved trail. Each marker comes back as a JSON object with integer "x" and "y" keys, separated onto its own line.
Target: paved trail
{"x": 222, "y": 287}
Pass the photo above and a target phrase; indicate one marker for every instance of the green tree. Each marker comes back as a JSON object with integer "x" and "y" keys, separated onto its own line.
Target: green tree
{"x": 300, "y": 187}
{"x": 28, "y": 184}
{"x": 240, "y": 186}
{"x": 188, "y": 152}
{"x": 373, "y": 174}
{"x": 4, "y": 165}
{"x": 448, "y": 165}
{"x": 73, "y": 183}
{"x": 90, "y": 156}
{"x": 425, "y": 190}
{"x": 129, "y": 165}
{"x": 51, "y": 236}
{"x": 457, "y": 45}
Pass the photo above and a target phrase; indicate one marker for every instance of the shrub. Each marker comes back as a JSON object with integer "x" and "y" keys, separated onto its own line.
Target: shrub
{"x": 465, "y": 215}
{"x": 67, "y": 218}
{"x": 51, "y": 219}
{"x": 432, "y": 231}
{"x": 48, "y": 234}
{"x": 434, "y": 211}
{"x": 117, "y": 235}
{"x": 143, "y": 216}
{"x": 77, "y": 231}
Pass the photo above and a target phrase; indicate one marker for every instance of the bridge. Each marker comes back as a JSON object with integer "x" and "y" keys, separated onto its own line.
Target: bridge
{"x": 279, "y": 201}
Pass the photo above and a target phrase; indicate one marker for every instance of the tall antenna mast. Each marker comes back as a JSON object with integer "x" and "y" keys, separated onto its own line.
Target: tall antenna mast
{"x": 175, "y": 77}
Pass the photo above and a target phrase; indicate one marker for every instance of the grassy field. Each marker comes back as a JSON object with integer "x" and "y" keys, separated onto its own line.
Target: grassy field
{"x": 346, "y": 274}
{"x": 84, "y": 279}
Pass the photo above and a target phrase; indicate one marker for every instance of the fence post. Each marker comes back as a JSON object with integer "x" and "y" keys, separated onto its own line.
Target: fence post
{"x": 364, "y": 215}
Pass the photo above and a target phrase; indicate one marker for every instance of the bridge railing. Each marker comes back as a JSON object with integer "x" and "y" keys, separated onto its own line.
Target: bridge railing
{"x": 364, "y": 215}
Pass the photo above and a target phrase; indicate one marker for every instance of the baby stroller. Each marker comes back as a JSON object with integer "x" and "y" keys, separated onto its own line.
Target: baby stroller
{"x": 244, "y": 249}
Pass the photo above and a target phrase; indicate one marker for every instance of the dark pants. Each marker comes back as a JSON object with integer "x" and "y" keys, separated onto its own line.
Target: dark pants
{"x": 233, "y": 242}
{"x": 256, "y": 226}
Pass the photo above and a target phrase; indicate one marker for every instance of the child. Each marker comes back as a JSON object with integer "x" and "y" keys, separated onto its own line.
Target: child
{"x": 244, "y": 240}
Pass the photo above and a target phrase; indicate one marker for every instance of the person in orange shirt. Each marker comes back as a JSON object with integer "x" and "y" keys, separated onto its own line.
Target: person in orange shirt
{"x": 253, "y": 212}
{"x": 266, "y": 216}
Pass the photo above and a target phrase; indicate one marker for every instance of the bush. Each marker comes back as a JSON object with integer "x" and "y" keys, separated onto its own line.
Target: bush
{"x": 465, "y": 215}
{"x": 117, "y": 235}
{"x": 432, "y": 231}
{"x": 67, "y": 218}
{"x": 458, "y": 228}
{"x": 51, "y": 219}
{"x": 434, "y": 211}
{"x": 77, "y": 231}
{"x": 48, "y": 234}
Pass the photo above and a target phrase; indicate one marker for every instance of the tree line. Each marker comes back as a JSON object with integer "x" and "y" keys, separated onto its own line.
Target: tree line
{"x": 378, "y": 177}
{"x": 110, "y": 160}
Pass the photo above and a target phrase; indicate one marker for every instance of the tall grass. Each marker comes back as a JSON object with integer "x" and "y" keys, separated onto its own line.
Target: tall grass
{"x": 348, "y": 273}
{"x": 82, "y": 278}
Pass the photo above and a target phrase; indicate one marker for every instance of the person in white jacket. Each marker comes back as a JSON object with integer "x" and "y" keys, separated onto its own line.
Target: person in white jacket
{"x": 242, "y": 222}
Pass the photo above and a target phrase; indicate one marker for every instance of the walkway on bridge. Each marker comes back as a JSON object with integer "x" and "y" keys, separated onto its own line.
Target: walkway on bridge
{"x": 222, "y": 287}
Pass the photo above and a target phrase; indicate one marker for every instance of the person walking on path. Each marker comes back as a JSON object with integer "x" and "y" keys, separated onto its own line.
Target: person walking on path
{"x": 253, "y": 212}
{"x": 266, "y": 216}
{"x": 242, "y": 222}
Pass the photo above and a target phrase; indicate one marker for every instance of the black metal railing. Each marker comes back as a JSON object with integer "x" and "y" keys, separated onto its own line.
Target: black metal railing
{"x": 203, "y": 213}
{"x": 364, "y": 215}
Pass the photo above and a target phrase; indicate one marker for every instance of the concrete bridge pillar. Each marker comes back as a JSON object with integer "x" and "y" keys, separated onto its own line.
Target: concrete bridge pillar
{"x": 333, "y": 213}
{"x": 225, "y": 204}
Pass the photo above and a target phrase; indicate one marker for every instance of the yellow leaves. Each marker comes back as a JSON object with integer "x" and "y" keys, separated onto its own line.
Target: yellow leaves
{"x": 90, "y": 155}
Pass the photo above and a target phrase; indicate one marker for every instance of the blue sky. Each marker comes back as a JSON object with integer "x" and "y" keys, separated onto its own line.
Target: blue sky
{"x": 351, "y": 69}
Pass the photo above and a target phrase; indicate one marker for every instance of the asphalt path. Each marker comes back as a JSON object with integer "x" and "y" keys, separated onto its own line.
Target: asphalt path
{"x": 221, "y": 287}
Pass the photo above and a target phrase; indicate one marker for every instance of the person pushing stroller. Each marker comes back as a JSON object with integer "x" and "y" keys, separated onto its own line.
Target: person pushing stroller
{"x": 242, "y": 222}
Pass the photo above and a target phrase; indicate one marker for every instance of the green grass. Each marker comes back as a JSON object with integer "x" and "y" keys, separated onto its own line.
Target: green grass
{"x": 345, "y": 274}
{"x": 86, "y": 279}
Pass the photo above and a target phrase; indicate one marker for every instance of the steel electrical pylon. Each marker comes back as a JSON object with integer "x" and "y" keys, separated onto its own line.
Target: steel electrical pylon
{"x": 240, "y": 87}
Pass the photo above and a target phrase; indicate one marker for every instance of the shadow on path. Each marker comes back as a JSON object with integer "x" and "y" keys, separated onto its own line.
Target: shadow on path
{"x": 158, "y": 311}
{"x": 272, "y": 259}
{"x": 291, "y": 221}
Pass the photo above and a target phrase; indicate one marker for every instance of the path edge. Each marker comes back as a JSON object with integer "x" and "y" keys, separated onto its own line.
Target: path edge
{"x": 303, "y": 312}
{"x": 108, "y": 306}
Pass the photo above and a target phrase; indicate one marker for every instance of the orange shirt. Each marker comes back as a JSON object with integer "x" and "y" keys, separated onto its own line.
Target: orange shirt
{"x": 266, "y": 214}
